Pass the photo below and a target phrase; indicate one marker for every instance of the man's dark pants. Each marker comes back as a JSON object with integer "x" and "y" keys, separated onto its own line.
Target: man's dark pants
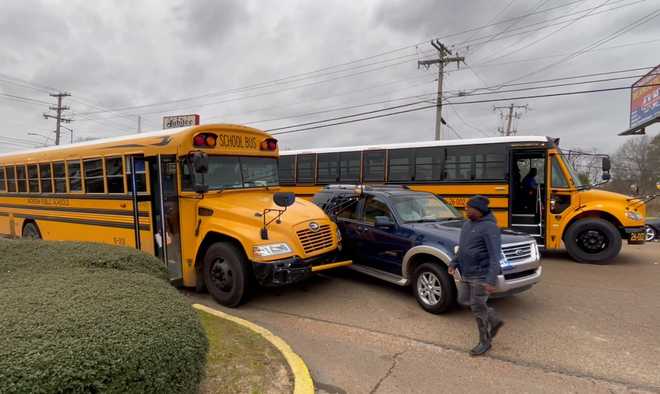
{"x": 473, "y": 294}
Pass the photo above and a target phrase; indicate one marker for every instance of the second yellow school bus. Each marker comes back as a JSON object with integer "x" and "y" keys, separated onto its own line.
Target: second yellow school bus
{"x": 531, "y": 186}
{"x": 203, "y": 199}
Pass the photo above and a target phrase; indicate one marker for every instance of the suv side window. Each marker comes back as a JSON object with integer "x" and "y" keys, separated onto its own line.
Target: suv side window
{"x": 375, "y": 207}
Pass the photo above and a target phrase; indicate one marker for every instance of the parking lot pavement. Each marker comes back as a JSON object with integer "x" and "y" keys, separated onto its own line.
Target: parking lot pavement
{"x": 584, "y": 328}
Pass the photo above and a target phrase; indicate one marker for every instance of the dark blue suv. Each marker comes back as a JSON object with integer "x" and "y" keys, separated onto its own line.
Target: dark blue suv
{"x": 408, "y": 238}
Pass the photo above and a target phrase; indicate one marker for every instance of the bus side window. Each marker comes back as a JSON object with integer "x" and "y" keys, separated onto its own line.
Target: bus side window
{"x": 558, "y": 178}
{"x": 428, "y": 163}
{"x": 33, "y": 178}
{"x": 489, "y": 162}
{"x": 94, "y": 176}
{"x": 3, "y": 188}
{"x": 140, "y": 175}
{"x": 59, "y": 175}
{"x": 374, "y": 166}
{"x": 328, "y": 168}
{"x": 75, "y": 176}
{"x": 114, "y": 172}
{"x": 287, "y": 170}
{"x": 11, "y": 179}
{"x": 45, "y": 175}
{"x": 21, "y": 179}
{"x": 400, "y": 165}
{"x": 349, "y": 166}
{"x": 306, "y": 168}
{"x": 458, "y": 164}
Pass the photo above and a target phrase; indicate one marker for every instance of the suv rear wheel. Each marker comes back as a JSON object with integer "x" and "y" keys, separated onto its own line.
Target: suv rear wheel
{"x": 433, "y": 288}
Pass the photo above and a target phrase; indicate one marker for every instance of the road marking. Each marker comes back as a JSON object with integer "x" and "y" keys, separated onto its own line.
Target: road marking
{"x": 303, "y": 383}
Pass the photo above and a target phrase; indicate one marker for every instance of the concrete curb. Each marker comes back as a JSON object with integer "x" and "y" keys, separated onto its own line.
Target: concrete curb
{"x": 302, "y": 380}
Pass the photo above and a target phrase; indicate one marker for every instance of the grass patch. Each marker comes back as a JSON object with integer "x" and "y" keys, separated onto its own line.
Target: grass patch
{"x": 93, "y": 318}
{"x": 241, "y": 361}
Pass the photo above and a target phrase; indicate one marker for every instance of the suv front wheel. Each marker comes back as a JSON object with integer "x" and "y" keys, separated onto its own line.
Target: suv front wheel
{"x": 433, "y": 288}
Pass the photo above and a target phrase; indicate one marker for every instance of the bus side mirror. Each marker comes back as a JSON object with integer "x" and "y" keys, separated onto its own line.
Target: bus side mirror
{"x": 284, "y": 199}
{"x": 607, "y": 166}
{"x": 606, "y": 176}
{"x": 200, "y": 162}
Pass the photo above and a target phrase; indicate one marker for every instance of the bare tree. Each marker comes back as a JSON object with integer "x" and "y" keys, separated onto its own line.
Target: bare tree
{"x": 636, "y": 162}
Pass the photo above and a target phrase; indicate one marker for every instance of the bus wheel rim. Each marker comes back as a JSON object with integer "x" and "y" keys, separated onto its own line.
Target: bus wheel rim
{"x": 592, "y": 241}
{"x": 429, "y": 288}
{"x": 222, "y": 275}
{"x": 650, "y": 233}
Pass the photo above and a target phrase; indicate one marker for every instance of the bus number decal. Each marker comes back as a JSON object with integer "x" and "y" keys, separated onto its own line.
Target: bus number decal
{"x": 457, "y": 201}
{"x": 237, "y": 141}
{"x": 119, "y": 241}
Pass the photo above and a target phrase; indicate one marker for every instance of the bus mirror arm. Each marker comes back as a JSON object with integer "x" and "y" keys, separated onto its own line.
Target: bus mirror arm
{"x": 264, "y": 229}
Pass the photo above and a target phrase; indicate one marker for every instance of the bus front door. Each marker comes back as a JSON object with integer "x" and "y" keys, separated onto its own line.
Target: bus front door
{"x": 165, "y": 217}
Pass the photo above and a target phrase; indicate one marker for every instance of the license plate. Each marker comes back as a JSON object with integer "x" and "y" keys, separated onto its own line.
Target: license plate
{"x": 637, "y": 237}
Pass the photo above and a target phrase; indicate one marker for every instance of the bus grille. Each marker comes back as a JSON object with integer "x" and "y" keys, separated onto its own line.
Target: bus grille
{"x": 517, "y": 252}
{"x": 312, "y": 241}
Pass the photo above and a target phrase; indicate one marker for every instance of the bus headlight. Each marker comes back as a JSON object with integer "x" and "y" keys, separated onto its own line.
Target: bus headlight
{"x": 338, "y": 235}
{"x": 271, "y": 250}
{"x": 632, "y": 215}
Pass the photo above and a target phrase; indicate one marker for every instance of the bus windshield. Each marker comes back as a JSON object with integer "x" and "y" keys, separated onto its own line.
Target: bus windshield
{"x": 235, "y": 172}
{"x": 423, "y": 208}
{"x": 573, "y": 174}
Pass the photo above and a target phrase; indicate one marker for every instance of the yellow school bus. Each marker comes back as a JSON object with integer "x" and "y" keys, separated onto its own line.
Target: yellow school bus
{"x": 531, "y": 186}
{"x": 204, "y": 199}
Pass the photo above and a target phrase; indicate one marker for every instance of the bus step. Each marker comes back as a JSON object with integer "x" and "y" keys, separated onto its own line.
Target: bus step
{"x": 524, "y": 219}
{"x": 531, "y": 229}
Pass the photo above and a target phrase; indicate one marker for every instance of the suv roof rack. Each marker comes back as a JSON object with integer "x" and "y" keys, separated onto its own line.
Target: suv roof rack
{"x": 367, "y": 187}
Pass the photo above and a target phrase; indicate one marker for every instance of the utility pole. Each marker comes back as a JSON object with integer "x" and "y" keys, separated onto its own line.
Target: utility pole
{"x": 444, "y": 57}
{"x": 508, "y": 117}
{"x": 58, "y": 117}
{"x": 139, "y": 125}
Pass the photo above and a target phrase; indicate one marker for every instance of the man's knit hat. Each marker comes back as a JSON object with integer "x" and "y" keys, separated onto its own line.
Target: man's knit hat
{"x": 480, "y": 203}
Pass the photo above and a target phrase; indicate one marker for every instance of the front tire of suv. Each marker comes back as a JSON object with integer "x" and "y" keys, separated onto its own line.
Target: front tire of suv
{"x": 434, "y": 289}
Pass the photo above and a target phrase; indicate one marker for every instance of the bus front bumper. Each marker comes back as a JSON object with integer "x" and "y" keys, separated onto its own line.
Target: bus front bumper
{"x": 295, "y": 269}
{"x": 635, "y": 235}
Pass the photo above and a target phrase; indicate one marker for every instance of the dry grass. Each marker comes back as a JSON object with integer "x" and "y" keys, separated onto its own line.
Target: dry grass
{"x": 241, "y": 361}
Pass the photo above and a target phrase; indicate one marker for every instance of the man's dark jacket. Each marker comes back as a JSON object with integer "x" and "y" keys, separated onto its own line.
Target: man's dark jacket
{"x": 479, "y": 250}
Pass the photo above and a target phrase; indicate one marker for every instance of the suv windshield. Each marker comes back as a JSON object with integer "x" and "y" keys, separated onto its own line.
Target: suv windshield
{"x": 422, "y": 208}
{"x": 235, "y": 172}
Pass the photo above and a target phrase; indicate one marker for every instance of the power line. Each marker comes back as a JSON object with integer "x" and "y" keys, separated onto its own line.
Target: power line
{"x": 595, "y": 44}
{"x": 452, "y": 103}
{"x": 434, "y": 95}
{"x": 534, "y": 42}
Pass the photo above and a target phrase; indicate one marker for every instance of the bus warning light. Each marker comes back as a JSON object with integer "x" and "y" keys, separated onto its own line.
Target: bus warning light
{"x": 269, "y": 144}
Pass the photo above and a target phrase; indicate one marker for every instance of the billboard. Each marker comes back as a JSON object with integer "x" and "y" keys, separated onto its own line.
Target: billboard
{"x": 645, "y": 98}
{"x": 170, "y": 122}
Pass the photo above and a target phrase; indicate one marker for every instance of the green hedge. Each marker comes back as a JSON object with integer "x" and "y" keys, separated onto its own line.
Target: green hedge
{"x": 93, "y": 318}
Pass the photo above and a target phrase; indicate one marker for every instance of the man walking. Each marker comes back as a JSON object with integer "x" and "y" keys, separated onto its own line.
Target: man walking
{"x": 478, "y": 263}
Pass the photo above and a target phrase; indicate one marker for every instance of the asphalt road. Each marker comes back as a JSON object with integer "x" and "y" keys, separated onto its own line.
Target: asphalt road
{"x": 584, "y": 328}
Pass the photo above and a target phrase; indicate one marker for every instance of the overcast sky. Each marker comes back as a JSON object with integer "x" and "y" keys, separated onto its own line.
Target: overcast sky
{"x": 128, "y": 55}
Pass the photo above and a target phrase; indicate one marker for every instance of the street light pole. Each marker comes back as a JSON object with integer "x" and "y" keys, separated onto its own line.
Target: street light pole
{"x": 42, "y": 136}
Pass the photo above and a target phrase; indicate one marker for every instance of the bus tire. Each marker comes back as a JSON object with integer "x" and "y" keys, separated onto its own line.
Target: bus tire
{"x": 226, "y": 274}
{"x": 433, "y": 288}
{"x": 592, "y": 240}
{"x": 31, "y": 231}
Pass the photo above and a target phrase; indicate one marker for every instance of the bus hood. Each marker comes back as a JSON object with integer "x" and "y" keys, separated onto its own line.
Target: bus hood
{"x": 249, "y": 205}
{"x": 603, "y": 199}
